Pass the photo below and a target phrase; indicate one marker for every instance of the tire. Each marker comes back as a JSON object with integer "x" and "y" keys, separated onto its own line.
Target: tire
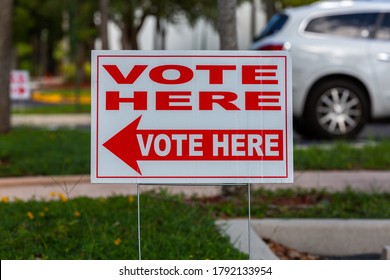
{"x": 336, "y": 109}
{"x": 301, "y": 127}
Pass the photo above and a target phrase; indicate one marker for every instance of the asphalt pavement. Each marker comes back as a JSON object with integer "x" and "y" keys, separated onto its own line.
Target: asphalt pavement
{"x": 337, "y": 237}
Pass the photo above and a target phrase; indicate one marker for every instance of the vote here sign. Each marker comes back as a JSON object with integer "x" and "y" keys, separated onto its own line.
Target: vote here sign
{"x": 20, "y": 85}
{"x": 191, "y": 117}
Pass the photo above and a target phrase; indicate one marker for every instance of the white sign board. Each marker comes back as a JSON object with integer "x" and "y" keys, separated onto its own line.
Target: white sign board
{"x": 20, "y": 85}
{"x": 191, "y": 117}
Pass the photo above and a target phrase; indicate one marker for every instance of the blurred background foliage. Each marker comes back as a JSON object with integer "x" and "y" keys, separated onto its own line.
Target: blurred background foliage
{"x": 55, "y": 37}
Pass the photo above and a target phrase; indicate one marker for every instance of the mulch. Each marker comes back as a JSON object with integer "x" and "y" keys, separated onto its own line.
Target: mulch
{"x": 286, "y": 253}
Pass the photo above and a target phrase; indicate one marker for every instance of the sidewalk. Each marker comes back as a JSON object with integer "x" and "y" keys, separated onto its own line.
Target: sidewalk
{"x": 79, "y": 185}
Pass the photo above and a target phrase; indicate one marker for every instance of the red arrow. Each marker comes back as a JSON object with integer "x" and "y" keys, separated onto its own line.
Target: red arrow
{"x": 132, "y": 145}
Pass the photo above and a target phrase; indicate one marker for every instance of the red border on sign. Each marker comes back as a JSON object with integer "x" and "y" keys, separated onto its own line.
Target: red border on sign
{"x": 188, "y": 177}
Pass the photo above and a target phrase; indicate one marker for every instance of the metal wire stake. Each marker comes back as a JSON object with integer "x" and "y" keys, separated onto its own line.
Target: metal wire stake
{"x": 249, "y": 221}
{"x": 139, "y": 222}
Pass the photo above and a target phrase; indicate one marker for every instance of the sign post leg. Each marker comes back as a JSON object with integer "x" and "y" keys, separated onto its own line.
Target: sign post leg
{"x": 139, "y": 221}
{"x": 249, "y": 221}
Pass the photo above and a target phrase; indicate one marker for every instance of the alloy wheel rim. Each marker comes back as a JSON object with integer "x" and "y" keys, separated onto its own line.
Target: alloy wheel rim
{"x": 339, "y": 111}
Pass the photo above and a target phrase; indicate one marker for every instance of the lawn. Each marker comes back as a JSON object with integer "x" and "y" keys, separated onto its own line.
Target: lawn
{"x": 344, "y": 156}
{"x": 106, "y": 228}
{"x": 29, "y": 151}
{"x": 299, "y": 203}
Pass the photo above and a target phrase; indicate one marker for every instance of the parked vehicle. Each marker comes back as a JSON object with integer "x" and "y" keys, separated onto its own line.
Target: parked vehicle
{"x": 341, "y": 64}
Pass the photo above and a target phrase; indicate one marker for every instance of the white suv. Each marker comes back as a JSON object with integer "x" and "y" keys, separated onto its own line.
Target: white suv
{"x": 341, "y": 64}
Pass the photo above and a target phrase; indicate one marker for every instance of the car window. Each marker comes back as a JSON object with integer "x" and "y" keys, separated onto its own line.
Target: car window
{"x": 383, "y": 32}
{"x": 346, "y": 25}
{"x": 273, "y": 26}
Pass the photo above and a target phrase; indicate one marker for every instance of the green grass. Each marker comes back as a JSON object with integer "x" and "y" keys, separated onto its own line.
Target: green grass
{"x": 86, "y": 228}
{"x": 343, "y": 156}
{"x": 29, "y": 151}
{"x": 299, "y": 203}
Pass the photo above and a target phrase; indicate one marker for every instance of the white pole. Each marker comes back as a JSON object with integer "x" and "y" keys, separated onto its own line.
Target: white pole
{"x": 249, "y": 221}
{"x": 139, "y": 222}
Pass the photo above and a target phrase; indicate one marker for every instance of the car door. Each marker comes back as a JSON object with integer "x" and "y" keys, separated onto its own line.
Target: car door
{"x": 380, "y": 56}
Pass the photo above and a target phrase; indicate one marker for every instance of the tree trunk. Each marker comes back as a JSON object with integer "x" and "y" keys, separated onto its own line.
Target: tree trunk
{"x": 157, "y": 34}
{"x": 269, "y": 8}
{"x": 159, "y": 42}
{"x": 124, "y": 40}
{"x": 129, "y": 35}
{"x": 253, "y": 22}
{"x": 36, "y": 54}
{"x": 163, "y": 35}
{"x": 5, "y": 63}
{"x": 133, "y": 38}
{"x": 227, "y": 27}
{"x": 43, "y": 53}
{"x": 104, "y": 7}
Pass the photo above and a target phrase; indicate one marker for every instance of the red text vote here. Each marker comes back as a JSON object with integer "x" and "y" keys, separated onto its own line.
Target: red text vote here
{"x": 132, "y": 145}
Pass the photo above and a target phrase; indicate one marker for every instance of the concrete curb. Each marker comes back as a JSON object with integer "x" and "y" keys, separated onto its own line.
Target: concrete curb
{"x": 328, "y": 237}
{"x": 237, "y": 230}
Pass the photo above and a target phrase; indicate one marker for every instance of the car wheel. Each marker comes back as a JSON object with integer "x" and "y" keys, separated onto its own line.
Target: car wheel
{"x": 337, "y": 109}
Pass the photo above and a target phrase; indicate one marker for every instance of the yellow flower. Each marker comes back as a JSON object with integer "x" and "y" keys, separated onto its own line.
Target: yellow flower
{"x": 117, "y": 241}
{"x": 53, "y": 194}
{"x": 62, "y": 197}
{"x": 131, "y": 198}
{"x": 30, "y": 215}
{"x": 4, "y": 199}
{"x": 76, "y": 214}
